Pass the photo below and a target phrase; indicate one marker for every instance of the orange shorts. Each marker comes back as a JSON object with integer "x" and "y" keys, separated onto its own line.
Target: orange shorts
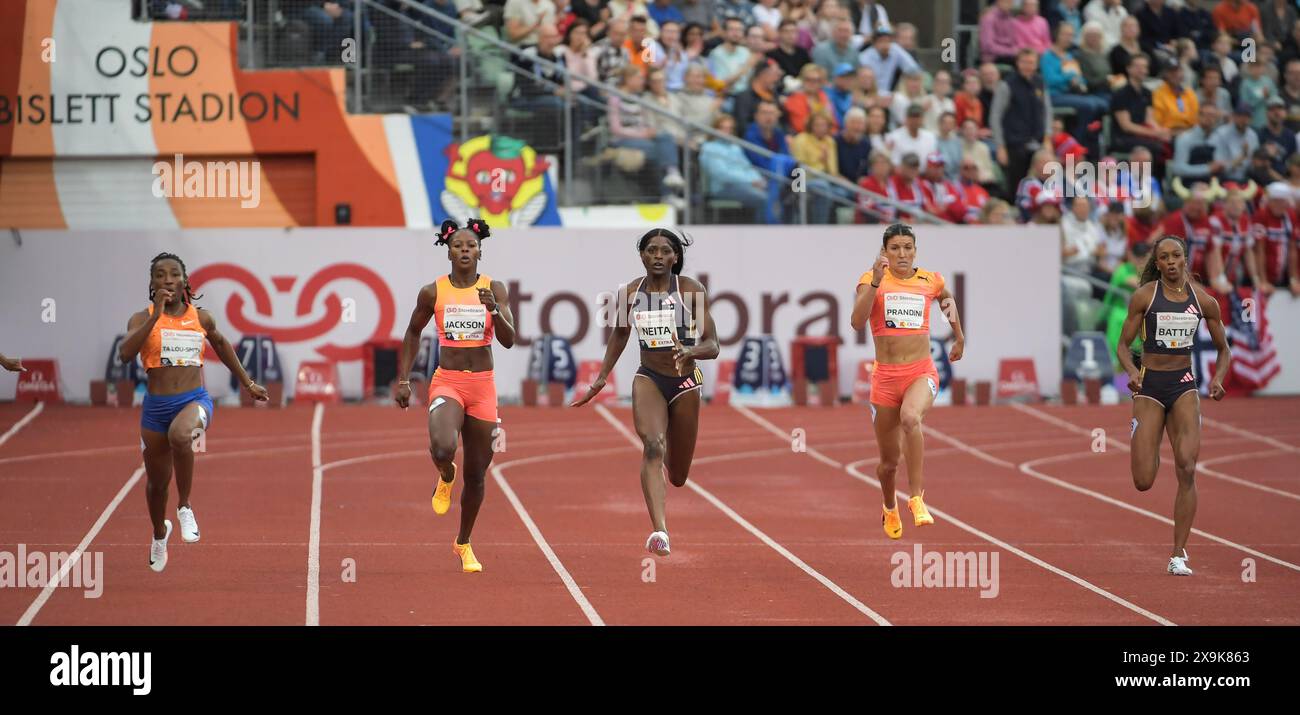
{"x": 476, "y": 392}
{"x": 890, "y": 382}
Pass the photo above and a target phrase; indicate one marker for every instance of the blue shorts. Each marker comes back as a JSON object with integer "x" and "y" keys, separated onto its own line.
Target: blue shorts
{"x": 160, "y": 410}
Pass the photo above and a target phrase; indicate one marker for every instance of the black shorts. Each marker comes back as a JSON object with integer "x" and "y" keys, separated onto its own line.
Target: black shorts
{"x": 1166, "y": 386}
{"x": 673, "y": 386}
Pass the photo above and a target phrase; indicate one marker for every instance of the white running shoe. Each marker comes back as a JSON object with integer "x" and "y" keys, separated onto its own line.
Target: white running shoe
{"x": 189, "y": 526}
{"x": 657, "y": 544}
{"x": 158, "y": 549}
{"x": 1178, "y": 565}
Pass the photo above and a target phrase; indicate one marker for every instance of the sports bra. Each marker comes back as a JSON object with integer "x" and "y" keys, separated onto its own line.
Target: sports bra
{"x": 902, "y": 307}
{"x": 657, "y": 315}
{"x": 462, "y": 320}
{"x": 175, "y": 341}
{"x": 1169, "y": 327}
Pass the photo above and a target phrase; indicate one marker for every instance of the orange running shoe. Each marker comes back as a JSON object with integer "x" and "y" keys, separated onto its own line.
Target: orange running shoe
{"x": 468, "y": 563}
{"x": 892, "y": 522}
{"x": 442, "y": 494}
{"x": 920, "y": 515}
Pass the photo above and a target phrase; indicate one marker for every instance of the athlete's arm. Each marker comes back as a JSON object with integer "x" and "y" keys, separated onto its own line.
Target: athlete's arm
{"x": 867, "y": 294}
{"x": 12, "y": 364}
{"x": 614, "y": 349}
{"x": 140, "y": 325}
{"x": 1137, "y": 308}
{"x": 503, "y": 323}
{"x": 420, "y": 317}
{"x": 949, "y": 308}
{"x": 226, "y": 352}
{"x": 1214, "y": 322}
{"x": 706, "y": 344}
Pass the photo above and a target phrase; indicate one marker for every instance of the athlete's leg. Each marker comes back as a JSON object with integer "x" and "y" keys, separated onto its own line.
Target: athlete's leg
{"x": 185, "y": 427}
{"x": 1144, "y": 445}
{"x": 650, "y": 415}
{"x": 889, "y": 440}
{"x": 683, "y": 429}
{"x": 446, "y": 416}
{"x": 158, "y": 476}
{"x": 916, "y": 402}
{"x": 1184, "y": 428}
{"x": 479, "y": 436}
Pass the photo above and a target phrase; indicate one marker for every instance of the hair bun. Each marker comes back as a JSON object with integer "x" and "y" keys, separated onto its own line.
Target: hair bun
{"x": 479, "y": 227}
{"x": 444, "y": 233}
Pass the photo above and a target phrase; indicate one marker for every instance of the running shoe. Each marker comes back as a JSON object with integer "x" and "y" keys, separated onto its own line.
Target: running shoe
{"x": 920, "y": 515}
{"x": 442, "y": 495}
{"x": 468, "y": 563}
{"x": 1178, "y": 565}
{"x": 657, "y": 544}
{"x": 892, "y": 522}
{"x": 158, "y": 549}
{"x": 189, "y": 526}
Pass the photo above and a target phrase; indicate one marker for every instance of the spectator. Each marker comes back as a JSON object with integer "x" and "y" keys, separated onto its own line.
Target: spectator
{"x": 967, "y": 99}
{"x": 1261, "y": 169}
{"x": 595, "y": 12}
{"x": 878, "y": 129}
{"x": 1142, "y": 186}
{"x": 941, "y": 197}
{"x": 1033, "y": 183}
{"x": 1291, "y": 48}
{"x": 695, "y": 103}
{"x": 675, "y": 59}
{"x": 1127, "y": 48}
{"x": 1110, "y": 15}
{"x": 1276, "y": 233}
{"x": 841, "y": 91}
{"x": 1047, "y": 211}
{"x": 1234, "y": 144}
{"x": 767, "y": 16}
{"x": 877, "y": 182}
{"x": 1081, "y": 239}
{"x": 1276, "y": 20}
{"x": 1194, "y": 149}
{"x": 996, "y": 213}
{"x": 1134, "y": 125}
{"x": 1189, "y": 61}
{"x": 1237, "y": 18}
{"x": 1275, "y": 137}
{"x": 1196, "y": 23}
{"x": 757, "y": 42}
{"x": 810, "y": 99}
{"x": 1290, "y": 93}
{"x": 787, "y": 53}
{"x": 1159, "y": 26}
{"x": 657, "y": 93}
{"x": 1114, "y": 238}
{"x": 940, "y": 101}
{"x": 724, "y": 10}
{"x": 801, "y": 14}
{"x": 1020, "y": 116}
{"x": 643, "y": 51}
{"x": 1231, "y": 260}
{"x": 330, "y": 23}
{"x": 434, "y": 60}
{"x": 1192, "y": 222}
{"x": 838, "y": 49}
{"x": 868, "y": 17}
{"x": 866, "y": 93}
{"x": 731, "y": 61}
{"x": 1031, "y": 29}
{"x": 665, "y": 11}
{"x": 1221, "y": 55}
{"x": 765, "y": 132}
{"x": 998, "y": 33}
{"x": 973, "y": 148}
{"x": 1212, "y": 91}
{"x": 525, "y": 17}
{"x": 762, "y": 88}
{"x": 630, "y": 128}
{"x": 1070, "y": 13}
{"x": 544, "y": 87}
{"x": 696, "y": 12}
{"x": 1174, "y": 105}
{"x": 828, "y": 14}
{"x": 815, "y": 149}
{"x": 1063, "y": 77}
{"x": 852, "y": 146}
{"x": 887, "y": 60}
{"x": 990, "y": 78}
{"x": 1293, "y": 174}
{"x": 1094, "y": 63}
{"x": 579, "y": 60}
{"x": 911, "y": 138}
{"x": 973, "y": 195}
{"x": 949, "y": 143}
{"x": 728, "y": 173}
{"x": 911, "y": 92}
{"x": 1124, "y": 281}
{"x": 629, "y": 9}
{"x": 610, "y": 53}
{"x": 1255, "y": 89}
{"x": 905, "y": 188}
{"x": 905, "y": 37}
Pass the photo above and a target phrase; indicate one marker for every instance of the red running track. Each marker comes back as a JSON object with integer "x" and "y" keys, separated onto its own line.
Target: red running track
{"x": 322, "y": 516}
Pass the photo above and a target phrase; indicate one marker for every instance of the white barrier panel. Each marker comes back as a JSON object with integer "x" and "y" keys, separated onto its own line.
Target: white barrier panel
{"x": 1283, "y": 314}
{"x": 301, "y": 286}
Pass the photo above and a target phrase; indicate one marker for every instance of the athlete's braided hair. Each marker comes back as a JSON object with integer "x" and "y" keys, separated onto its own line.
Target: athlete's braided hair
{"x": 679, "y": 244}
{"x": 188, "y": 294}
{"x": 450, "y": 227}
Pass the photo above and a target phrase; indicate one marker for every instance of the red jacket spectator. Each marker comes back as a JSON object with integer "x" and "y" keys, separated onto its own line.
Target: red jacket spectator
{"x": 887, "y": 213}
{"x": 973, "y": 197}
{"x": 941, "y": 196}
{"x": 1232, "y": 240}
{"x": 1140, "y": 231}
{"x": 1278, "y": 233}
{"x": 1198, "y": 231}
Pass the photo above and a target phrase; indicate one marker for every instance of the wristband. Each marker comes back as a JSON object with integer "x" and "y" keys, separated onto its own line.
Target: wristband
{"x": 874, "y": 285}
{"x": 404, "y": 382}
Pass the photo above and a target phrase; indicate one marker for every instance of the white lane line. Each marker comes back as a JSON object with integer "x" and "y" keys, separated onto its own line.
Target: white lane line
{"x": 1200, "y": 467}
{"x": 1028, "y": 468}
{"x": 48, "y": 590}
{"x": 852, "y": 471}
{"x": 27, "y": 418}
{"x": 1219, "y": 424}
{"x": 313, "y": 538}
{"x": 772, "y": 543}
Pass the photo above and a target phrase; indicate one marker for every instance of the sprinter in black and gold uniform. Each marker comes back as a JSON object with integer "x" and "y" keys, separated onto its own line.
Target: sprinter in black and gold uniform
{"x": 671, "y": 313}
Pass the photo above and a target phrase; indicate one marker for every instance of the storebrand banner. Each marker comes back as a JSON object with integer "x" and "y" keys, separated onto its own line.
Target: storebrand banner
{"x": 321, "y": 294}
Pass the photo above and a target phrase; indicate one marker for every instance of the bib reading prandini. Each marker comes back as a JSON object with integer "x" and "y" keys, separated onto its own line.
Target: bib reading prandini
{"x": 181, "y": 348}
{"x": 1176, "y": 330}
{"x": 655, "y": 327}
{"x": 464, "y": 322}
{"x": 905, "y": 310}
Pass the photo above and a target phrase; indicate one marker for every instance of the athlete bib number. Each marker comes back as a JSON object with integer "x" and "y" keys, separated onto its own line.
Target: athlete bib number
{"x": 181, "y": 348}
{"x": 655, "y": 327}
{"x": 464, "y": 322}
{"x": 1176, "y": 330}
{"x": 905, "y": 311}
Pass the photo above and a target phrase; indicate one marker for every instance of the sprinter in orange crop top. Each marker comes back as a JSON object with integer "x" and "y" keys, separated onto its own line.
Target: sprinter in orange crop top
{"x": 468, "y": 309}
{"x": 168, "y": 336}
{"x": 896, "y": 296}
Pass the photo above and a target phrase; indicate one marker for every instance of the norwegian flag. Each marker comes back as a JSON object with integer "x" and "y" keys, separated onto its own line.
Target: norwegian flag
{"x": 1254, "y": 357}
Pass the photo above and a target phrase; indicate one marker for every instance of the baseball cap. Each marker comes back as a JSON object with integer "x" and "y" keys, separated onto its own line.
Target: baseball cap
{"x": 1276, "y": 101}
{"x": 934, "y": 158}
{"x": 915, "y": 110}
{"x": 843, "y": 68}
